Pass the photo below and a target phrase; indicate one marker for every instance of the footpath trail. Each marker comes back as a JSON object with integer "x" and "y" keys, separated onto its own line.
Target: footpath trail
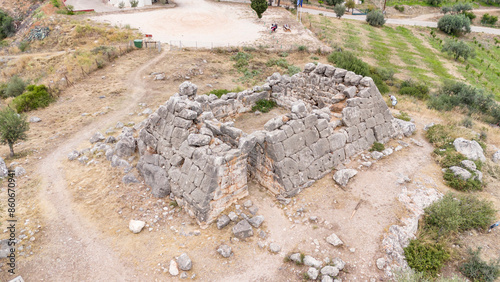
{"x": 74, "y": 249}
{"x": 414, "y": 21}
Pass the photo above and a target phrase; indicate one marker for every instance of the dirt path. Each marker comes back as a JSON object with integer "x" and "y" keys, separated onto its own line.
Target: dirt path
{"x": 76, "y": 251}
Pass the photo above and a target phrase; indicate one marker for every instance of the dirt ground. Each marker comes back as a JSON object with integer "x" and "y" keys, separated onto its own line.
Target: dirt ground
{"x": 203, "y": 23}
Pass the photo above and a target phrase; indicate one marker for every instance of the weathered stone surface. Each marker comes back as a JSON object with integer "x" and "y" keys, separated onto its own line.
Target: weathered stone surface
{"x": 198, "y": 140}
{"x": 256, "y": 221}
{"x": 404, "y": 127}
{"x": 3, "y": 169}
{"x": 242, "y": 229}
{"x": 470, "y": 149}
{"x": 187, "y": 89}
{"x": 350, "y": 92}
{"x": 496, "y": 157}
{"x": 460, "y": 172}
{"x": 129, "y": 178}
{"x": 19, "y": 171}
{"x": 173, "y": 269}
{"x": 297, "y": 258}
{"x": 224, "y": 251}
{"x": 273, "y": 123}
{"x": 330, "y": 270}
{"x": 274, "y": 248}
{"x": 310, "y": 261}
{"x": 71, "y": 156}
{"x": 334, "y": 240}
{"x": 97, "y": 137}
{"x": 380, "y": 263}
{"x": 184, "y": 262}
{"x": 468, "y": 164}
{"x": 156, "y": 178}
{"x": 326, "y": 278}
{"x": 376, "y": 155}
{"x": 342, "y": 176}
{"x": 223, "y": 221}
{"x": 312, "y": 273}
{"x": 136, "y": 226}
{"x": 35, "y": 119}
{"x": 126, "y": 146}
{"x": 338, "y": 263}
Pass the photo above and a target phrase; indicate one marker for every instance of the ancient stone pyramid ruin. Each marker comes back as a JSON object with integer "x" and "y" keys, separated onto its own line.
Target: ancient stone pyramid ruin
{"x": 189, "y": 152}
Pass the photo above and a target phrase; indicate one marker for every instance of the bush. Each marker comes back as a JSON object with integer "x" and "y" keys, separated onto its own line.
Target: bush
{"x": 6, "y": 25}
{"x": 334, "y": 2}
{"x": 456, "y": 213}
{"x": 134, "y": 3}
{"x": 13, "y": 128}
{"x": 121, "y": 5}
{"x": 384, "y": 73}
{"x": 454, "y": 24}
{"x": 36, "y": 97}
{"x": 55, "y": 3}
{"x": 15, "y": 87}
{"x": 426, "y": 257}
{"x": 414, "y": 89}
{"x": 458, "y": 49}
{"x": 350, "y": 4}
{"x": 467, "y": 122}
{"x": 470, "y": 15}
{"x": 259, "y": 6}
{"x": 399, "y": 8}
{"x": 379, "y": 147}
{"x": 459, "y": 184}
{"x": 218, "y": 92}
{"x": 264, "y": 106}
{"x": 486, "y": 19}
{"x": 339, "y": 10}
{"x": 277, "y": 62}
{"x": 447, "y": 9}
{"x": 404, "y": 116}
{"x": 478, "y": 270}
{"x": 23, "y": 46}
{"x": 461, "y": 8}
{"x": 293, "y": 70}
{"x": 434, "y": 3}
{"x": 375, "y": 18}
{"x": 283, "y": 54}
{"x": 302, "y": 48}
{"x": 350, "y": 62}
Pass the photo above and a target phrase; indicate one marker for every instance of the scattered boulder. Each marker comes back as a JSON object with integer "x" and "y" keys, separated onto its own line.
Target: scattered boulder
{"x": 376, "y": 155}
{"x": 342, "y": 176}
{"x": 147, "y": 111}
{"x": 19, "y": 171}
{"x": 468, "y": 164}
{"x": 297, "y": 258}
{"x": 223, "y": 221}
{"x": 83, "y": 159}
{"x": 187, "y": 89}
{"x": 160, "y": 76}
{"x": 126, "y": 146}
{"x": 110, "y": 139}
{"x": 330, "y": 270}
{"x": 97, "y": 137}
{"x": 184, "y": 262}
{"x": 496, "y": 157}
{"x": 334, "y": 240}
{"x": 253, "y": 210}
{"x": 225, "y": 251}
{"x": 248, "y": 203}
{"x": 312, "y": 273}
{"x": 326, "y": 278}
{"x": 136, "y": 225}
{"x": 428, "y": 126}
{"x": 380, "y": 263}
{"x": 130, "y": 178}
{"x": 35, "y": 119}
{"x": 198, "y": 140}
{"x": 338, "y": 263}
{"x": 310, "y": 261}
{"x": 256, "y": 221}
{"x": 417, "y": 142}
{"x": 119, "y": 125}
{"x": 3, "y": 168}
{"x": 173, "y": 270}
{"x": 460, "y": 172}
{"x": 404, "y": 127}
{"x": 4, "y": 248}
{"x": 242, "y": 229}
{"x": 73, "y": 155}
{"x": 470, "y": 149}
{"x": 274, "y": 248}
{"x": 233, "y": 216}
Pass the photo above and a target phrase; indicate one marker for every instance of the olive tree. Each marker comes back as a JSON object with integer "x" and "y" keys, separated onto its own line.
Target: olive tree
{"x": 458, "y": 49}
{"x": 454, "y": 24}
{"x": 375, "y": 18}
{"x": 339, "y": 10}
{"x": 13, "y": 128}
{"x": 259, "y": 6}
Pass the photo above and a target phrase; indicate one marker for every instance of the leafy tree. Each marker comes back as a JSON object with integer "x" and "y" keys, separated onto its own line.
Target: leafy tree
{"x": 13, "y": 128}
{"x": 334, "y": 2}
{"x": 460, "y": 8}
{"x": 458, "y": 49}
{"x": 447, "y": 9}
{"x": 6, "y": 25}
{"x": 454, "y": 24}
{"x": 259, "y": 6}
{"x": 339, "y": 10}
{"x": 375, "y": 18}
{"x": 350, "y": 5}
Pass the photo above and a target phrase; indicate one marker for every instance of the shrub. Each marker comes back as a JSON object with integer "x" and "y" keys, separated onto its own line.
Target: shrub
{"x": 486, "y": 19}
{"x": 470, "y": 15}
{"x": 283, "y": 54}
{"x": 13, "y": 128}
{"x": 384, "y": 73}
{"x": 36, "y": 97}
{"x": 439, "y": 135}
{"x": 277, "y": 62}
{"x": 478, "y": 270}
{"x": 375, "y": 18}
{"x": 461, "y": 8}
{"x": 293, "y": 70}
{"x": 121, "y": 5}
{"x": 350, "y": 4}
{"x": 23, "y": 46}
{"x": 434, "y": 3}
{"x": 334, "y": 2}
{"x": 455, "y": 213}
{"x": 218, "y": 92}
{"x": 302, "y": 48}
{"x": 134, "y": 3}
{"x": 339, "y": 10}
{"x": 404, "y": 116}
{"x": 426, "y": 257}
{"x": 241, "y": 55}
{"x": 467, "y": 122}
{"x": 414, "y": 89}
{"x": 379, "y": 147}
{"x": 447, "y": 9}
{"x": 350, "y": 62}
{"x": 15, "y": 87}
{"x": 460, "y": 184}
{"x": 458, "y": 49}
{"x": 454, "y": 24}
{"x": 264, "y": 106}
{"x": 259, "y": 6}
{"x": 55, "y": 3}
{"x": 6, "y": 25}
{"x": 399, "y": 8}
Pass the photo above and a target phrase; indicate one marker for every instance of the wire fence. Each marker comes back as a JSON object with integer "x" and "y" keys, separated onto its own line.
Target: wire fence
{"x": 182, "y": 45}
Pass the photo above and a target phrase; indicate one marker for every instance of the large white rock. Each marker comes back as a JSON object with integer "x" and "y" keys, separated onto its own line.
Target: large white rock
{"x": 172, "y": 269}
{"x": 3, "y": 168}
{"x": 334, "y": 240}
{"x": 496, "y": 157}
{"x": 342, "y": 176}
{"x": 470, "y": 149}
{"x": 136, "y": 225}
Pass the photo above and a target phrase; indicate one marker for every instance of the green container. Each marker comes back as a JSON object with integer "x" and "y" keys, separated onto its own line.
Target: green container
{"x": 138, "y": 43}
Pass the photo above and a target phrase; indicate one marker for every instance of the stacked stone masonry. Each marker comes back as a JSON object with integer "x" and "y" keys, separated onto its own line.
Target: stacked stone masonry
{"x": 189, "y": 152}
